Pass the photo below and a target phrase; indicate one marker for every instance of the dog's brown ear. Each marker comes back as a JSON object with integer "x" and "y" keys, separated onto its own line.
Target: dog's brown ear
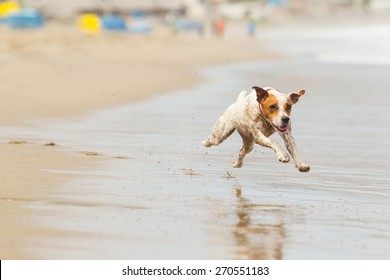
{"x": 261, "y": 93}
{"x": 294, "y": 97}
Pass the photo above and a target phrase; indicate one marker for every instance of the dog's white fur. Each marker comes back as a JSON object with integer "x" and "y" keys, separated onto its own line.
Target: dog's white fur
{"x": 246, "y": 116}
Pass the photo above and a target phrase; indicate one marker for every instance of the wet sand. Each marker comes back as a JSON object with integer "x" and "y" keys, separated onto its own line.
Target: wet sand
{"x": 158, "y": 194}
{"x": 170, "y": 198}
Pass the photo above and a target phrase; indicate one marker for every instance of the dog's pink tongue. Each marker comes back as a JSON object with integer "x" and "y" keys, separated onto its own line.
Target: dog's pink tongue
{"x": 283, "y": 127}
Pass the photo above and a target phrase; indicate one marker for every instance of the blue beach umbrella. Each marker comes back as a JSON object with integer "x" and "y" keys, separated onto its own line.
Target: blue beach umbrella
{"x": 109, "y": 22}
{"x": 24, "y": 18}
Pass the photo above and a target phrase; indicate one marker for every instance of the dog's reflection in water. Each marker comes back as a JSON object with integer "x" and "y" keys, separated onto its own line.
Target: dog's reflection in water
{"x": 259, "y": 232}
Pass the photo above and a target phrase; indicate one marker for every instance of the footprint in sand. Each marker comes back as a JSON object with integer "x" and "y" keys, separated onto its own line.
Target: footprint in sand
{"x": 189, "y": 171}
{"x": 17, "y": 142}
{"x": 121, "y": 157}
{"x": 95, "y": 154}
{"x": 51, "y": 144}
{"x": 228, "y": 175}
{"x": 92, "y": 154}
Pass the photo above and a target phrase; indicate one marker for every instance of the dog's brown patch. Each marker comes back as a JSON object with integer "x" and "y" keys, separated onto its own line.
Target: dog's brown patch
{"x": 287, "y": 107}
{"x": 270, "y": 107}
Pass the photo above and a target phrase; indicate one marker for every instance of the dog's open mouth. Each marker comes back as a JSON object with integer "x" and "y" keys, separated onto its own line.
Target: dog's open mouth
{"x": 281, "y": 128}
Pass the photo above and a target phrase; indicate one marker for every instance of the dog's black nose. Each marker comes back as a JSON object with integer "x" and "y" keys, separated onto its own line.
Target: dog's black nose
{"x": 285, "y": 119}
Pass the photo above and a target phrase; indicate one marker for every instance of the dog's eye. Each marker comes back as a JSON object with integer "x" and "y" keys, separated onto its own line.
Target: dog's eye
{"x": 273, "y": 107}
{"x": 288, "y": 107}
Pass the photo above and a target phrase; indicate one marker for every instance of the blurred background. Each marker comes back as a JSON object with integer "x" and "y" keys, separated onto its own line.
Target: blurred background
{"x": 62, "y": 58}
{"x": 199, "y": 15}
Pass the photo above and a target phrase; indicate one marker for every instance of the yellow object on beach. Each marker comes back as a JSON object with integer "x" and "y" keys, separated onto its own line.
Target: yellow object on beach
{"x": 89, "y": 23}
{"x": 8, "y": 7}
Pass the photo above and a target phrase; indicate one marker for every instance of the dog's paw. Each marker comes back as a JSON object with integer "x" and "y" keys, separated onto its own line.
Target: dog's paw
{"x": 206, "y": 143}
{"x": 237, "y": 164}
{"x": 304, "y": 168}
{"x": 283, "y": 158}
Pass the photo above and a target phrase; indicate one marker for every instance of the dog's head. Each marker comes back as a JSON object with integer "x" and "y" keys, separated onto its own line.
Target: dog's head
{"x": 276, "y": 106}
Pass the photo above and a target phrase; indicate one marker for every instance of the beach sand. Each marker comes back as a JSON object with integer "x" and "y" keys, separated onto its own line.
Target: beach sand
{"x": 97, "y": 163}
{"x": 57, "y": 72}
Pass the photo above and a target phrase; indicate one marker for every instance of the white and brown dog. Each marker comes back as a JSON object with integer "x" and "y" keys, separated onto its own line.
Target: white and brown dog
{"x": 256, "y": 116}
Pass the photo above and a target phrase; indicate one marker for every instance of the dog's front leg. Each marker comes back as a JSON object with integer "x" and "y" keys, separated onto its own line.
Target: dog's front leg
{"x": 292, "y": 149}
{"x": 264, "y": 141}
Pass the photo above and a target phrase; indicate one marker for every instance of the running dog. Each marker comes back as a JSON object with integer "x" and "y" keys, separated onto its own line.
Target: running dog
{"x": 256, "y": 116}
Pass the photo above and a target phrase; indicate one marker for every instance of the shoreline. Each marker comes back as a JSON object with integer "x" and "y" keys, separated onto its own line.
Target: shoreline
{"x": 85, "y": 74}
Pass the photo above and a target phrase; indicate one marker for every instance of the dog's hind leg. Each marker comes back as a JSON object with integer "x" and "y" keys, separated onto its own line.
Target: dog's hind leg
{"x": 222, "y": 129}
{"x": 247, "y": 147}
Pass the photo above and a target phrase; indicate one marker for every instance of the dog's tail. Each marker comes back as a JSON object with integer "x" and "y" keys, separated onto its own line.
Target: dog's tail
{"x": 242, "y": 95}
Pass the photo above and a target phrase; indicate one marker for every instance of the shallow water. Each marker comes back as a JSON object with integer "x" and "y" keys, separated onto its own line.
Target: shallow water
{"x": 168, "y": 197}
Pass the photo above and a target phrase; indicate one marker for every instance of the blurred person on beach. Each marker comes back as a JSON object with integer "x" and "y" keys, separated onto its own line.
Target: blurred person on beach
{"x": 219, "y": 26}
{"x": 251, "y": 28}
